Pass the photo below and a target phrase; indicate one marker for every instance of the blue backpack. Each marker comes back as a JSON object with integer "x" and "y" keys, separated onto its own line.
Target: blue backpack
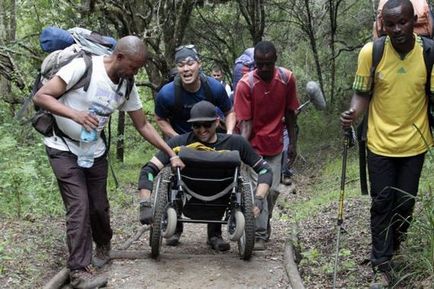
{"x": 243, "y": 65}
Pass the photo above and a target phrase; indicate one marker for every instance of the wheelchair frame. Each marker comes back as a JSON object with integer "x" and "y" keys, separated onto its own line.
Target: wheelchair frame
{"x": 169, "y": 200}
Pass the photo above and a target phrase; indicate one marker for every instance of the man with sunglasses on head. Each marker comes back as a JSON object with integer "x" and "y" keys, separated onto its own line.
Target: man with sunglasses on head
{"x": 262, "y": 98}
{"x": 191, "y": 85}
{"x": 204, "y": 121}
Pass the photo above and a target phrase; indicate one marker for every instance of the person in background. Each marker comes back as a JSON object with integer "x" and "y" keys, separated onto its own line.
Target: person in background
{"x": 218, "y": 74}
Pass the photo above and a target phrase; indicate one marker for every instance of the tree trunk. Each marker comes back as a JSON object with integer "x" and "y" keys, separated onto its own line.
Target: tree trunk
{"x": 253, "y": 12}
{"x": 7, "y": 34}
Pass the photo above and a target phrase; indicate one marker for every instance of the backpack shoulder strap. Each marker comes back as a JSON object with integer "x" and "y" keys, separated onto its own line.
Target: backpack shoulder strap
{"x": 206, "y": 87}
{"x": 178, "y": 92}
{"x": 251, "y": 81}
{"x": 87, "y": 75}
{"x": 129, "y": 86}
{"x": 428, "y": 57}
{"x": 283, "y": 75}
{"x": 377, "y": 54}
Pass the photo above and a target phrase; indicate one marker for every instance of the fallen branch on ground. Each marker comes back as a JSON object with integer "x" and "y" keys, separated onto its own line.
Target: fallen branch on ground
{"x": 134, "y": 238}
{"x": 58, "y": 280}
{"x": 62, "y": 276}
{"x": 290, "y": 263}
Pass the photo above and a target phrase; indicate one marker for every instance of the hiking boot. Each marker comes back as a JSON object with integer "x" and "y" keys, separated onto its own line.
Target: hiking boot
{"x": 286, "y": 180}
{"x": 259, "y": 245}
{"x": 83, "y": 279}
{"x": 381, "y": 280}
{"x": 218, "y": 244}
{"x": 145, "y": 213}
{"x": 174, "y": 240}
{"x": 102, "y": 255}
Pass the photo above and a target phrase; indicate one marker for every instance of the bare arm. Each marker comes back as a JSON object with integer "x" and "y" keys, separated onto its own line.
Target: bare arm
{"x": 246, "y": 128}
{"x": 150, "y": 134}
{"x": 230, "y": 121}
{"x": 47, "y": 98}
{"x": 359, "y": 104}
{"x": 165, "y": 126}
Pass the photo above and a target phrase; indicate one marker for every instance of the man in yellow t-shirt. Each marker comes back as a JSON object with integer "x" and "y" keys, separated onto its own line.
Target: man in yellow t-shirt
{"x": 398, "y": 131}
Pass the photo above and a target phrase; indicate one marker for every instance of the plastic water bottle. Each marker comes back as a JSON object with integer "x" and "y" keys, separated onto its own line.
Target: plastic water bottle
{"x": 88, "y": 140}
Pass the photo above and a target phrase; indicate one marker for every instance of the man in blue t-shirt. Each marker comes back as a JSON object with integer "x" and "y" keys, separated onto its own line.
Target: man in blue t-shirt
{"x": 175, "y": 99}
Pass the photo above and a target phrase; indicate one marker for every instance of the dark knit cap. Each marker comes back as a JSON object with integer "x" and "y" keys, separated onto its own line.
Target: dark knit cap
{"x": 185, "y": 52}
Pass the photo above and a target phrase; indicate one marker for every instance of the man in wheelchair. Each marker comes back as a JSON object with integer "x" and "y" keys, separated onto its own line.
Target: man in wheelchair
{"x": 204, "y": 121}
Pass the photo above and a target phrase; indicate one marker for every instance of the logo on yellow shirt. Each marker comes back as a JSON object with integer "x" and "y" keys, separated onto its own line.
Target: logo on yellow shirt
{"x": 402, "y": 71}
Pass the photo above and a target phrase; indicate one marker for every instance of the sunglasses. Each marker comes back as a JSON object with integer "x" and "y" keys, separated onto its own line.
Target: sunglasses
{"x": 188, "y": 46}
{"x": 205, "y": 124}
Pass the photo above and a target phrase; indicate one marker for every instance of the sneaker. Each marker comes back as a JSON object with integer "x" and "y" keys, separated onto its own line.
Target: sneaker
{"x": 102, "y": 255}
{"x": 174, "y": 240}
{"x": 83, "y": 279}
{"x": 218, "y": 244}
{"x": 259, "y": 245}
{"x": 145, "y": 213}
{"x": 381, "y": 280}
{"x": 286, "y": 180}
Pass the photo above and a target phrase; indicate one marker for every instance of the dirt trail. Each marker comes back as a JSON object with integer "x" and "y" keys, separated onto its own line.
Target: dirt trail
{"x": 192, "y": 264}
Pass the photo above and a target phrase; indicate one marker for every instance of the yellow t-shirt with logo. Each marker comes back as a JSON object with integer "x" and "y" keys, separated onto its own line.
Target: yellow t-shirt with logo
{"x": 398, "y": 107}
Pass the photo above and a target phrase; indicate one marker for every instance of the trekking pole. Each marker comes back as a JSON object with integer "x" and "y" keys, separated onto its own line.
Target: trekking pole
{"x": 348, "y": 142}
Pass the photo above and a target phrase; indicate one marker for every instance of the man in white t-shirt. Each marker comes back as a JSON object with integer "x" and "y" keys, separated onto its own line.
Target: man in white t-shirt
{"x": 83, "y": 190}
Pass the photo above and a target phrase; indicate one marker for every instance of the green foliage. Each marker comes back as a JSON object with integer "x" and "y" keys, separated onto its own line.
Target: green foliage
{"x": 27, "y": 186}
{"x": 419, "y": 249}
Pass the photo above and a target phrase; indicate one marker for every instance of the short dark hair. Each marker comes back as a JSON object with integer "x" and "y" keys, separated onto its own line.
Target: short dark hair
{"x": 216, "y": 67}
{"x": 396, "y": 3}
{"x": 265, "y": 47}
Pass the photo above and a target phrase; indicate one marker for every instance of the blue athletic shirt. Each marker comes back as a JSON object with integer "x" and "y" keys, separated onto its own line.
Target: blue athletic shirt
{"x": 165, "y": 103}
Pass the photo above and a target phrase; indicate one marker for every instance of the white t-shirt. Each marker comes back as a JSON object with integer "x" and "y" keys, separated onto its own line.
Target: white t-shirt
{"x": 101, "y": 90}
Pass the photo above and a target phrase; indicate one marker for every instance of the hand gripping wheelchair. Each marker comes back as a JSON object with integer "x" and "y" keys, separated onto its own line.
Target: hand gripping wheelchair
{"x": 210, "y": 189}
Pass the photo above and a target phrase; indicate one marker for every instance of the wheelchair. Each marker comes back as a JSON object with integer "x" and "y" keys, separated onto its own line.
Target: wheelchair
{"x": 210, "y": 189}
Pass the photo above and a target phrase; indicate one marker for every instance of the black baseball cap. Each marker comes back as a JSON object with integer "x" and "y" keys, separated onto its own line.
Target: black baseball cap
{"x": 203, "y": 111}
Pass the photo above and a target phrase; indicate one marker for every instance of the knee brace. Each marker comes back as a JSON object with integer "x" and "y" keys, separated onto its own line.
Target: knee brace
{"x": 147, "y": 174}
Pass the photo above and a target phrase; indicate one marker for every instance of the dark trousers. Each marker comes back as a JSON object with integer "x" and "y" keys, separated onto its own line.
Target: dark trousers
{"x": 213, "y": 230}
{"x": 84, "y": 194}
{"x": 391, "y": 209}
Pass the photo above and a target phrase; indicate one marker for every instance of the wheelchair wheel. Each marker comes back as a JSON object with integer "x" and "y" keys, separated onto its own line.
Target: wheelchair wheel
{"x": 171, "y": 220}
{"x": 236, "y": 226}
{"x": 247, "y": 240}
{"x": 160, "y": 212}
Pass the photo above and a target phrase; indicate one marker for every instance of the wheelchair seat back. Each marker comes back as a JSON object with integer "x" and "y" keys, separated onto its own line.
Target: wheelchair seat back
{"x": 208, "y": 173}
